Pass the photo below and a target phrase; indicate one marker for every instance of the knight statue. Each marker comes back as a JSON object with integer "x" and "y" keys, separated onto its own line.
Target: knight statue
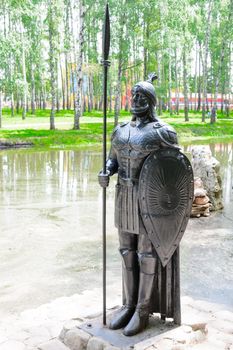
{"x": 153, "y": 200}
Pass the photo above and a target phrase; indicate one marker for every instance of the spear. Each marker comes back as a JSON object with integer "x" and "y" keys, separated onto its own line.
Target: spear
{"x": 106, "y": 64}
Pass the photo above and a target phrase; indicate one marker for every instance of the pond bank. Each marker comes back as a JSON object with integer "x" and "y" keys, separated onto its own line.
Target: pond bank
{"x": 90, "y": 133}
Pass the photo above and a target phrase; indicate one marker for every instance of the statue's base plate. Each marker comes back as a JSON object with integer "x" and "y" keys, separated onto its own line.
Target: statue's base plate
{"x": 116, "y": 338}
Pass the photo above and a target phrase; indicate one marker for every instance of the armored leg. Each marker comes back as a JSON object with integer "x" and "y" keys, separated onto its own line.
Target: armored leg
{"x": 130, "y": 282}
{"x": 148, "y": 267}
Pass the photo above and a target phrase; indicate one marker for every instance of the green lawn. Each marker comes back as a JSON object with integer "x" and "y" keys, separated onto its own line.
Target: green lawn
{"x": 35, "y": 129}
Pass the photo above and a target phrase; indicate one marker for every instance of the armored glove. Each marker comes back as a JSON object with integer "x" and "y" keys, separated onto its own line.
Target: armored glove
{"x": 103, "y": 178}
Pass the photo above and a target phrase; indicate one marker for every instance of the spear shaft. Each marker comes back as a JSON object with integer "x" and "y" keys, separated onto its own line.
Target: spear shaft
{"x": 105, "y": 63}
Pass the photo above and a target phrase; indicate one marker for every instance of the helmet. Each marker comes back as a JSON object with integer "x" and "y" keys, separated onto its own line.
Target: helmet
{"x": 147, "y": 88}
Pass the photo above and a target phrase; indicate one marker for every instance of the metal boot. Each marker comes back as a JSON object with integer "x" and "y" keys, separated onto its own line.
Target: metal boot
{"x": 130, "y": 286}
{"x": 140, "y": 318}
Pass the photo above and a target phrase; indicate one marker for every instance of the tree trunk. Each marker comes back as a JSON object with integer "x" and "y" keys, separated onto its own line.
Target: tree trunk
{"x": 57, "y": 90}
{"x": 126, "y": 95}
{"x": 32, "y": 90}
{"x": 160, "y": 109}
{"x": 62, "y": 85}
{"x": 12, "y": 105}
{"x": 17, "y": 100}
{"x": 78, "y": 97}
{"x": 67, "y": 83}
{"x": 52, "y": 67}
{"x": 145, "y": 50}
{"x": 185, "y": 84}
{"x": 170, "y": 84}
{"x": 177, "y": 85}
{"x": 24, "y": 112}
{"x": 207, "y": 34}
{"x": 199, "y": 80}
{"x": 118, "y": 91}
{"x": 195, "y": 83}
{"x": 110, "y": 96}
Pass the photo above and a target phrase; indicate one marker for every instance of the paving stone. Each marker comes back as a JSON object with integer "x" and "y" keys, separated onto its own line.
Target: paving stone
{"x": 152, "y": 347}
{"x": 186, "y": 329}
{"x": 204, "y": 306}
{"x": 54, "y": 328}
{"x": 12, "y": 345}
{"x": 53, "y": 344}
{"x": 68, "y": 326}
{"x": 96, "y": 344}
{"x": 76, "y": 339}
{"x": 164, "y": 344}
{"x": 34, "y": 341}
{"x": 21, "y": 335}
{"x": 205, "y": 346}
{"x": 180, "y": 336}
{"x": 224, "y": 315}
{"x": 3, "y": 339}
{"x": 38, "y": 331}
{"x": 179, "y": 347}
{"x": 187, "y": 300}
{"x": 223, "y": 326}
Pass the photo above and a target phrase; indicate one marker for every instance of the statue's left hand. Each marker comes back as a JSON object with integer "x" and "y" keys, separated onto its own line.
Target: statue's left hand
{"x": 103, "y": 179}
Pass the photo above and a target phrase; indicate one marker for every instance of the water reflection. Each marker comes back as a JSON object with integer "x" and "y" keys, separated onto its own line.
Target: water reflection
{"x": 50, "y": 216}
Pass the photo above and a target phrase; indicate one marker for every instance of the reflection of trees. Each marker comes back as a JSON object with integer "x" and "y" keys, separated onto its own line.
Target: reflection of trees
{"x": 72, "y": 175}
{"x": 56, "y": 175}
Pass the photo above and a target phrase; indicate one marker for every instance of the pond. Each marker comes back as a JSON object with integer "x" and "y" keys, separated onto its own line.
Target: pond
{"x": 51, "y": 245}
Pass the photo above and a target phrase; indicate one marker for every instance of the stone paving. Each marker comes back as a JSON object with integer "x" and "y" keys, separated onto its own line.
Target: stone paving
{"x": 54, "y": 326}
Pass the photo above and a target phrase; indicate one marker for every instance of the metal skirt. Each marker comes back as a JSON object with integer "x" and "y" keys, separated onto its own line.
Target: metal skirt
{"x": 127, "y": 216}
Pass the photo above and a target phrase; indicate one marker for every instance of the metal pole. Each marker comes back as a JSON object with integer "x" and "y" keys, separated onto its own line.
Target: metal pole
{"x": 105, "y": 63}
{"x": 104, "y": 194}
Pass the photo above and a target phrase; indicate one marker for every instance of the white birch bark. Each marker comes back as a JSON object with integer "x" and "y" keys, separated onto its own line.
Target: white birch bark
{"x": 79, "y": 77}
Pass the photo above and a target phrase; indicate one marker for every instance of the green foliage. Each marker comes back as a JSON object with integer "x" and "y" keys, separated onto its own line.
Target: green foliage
{"x": 145, "y": 36}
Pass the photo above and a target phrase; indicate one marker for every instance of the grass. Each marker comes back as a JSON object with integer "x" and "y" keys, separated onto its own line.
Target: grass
{"x": 35, "y": 129}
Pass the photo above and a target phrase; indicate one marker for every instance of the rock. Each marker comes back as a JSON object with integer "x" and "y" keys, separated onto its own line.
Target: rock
{"x": 201, "y": 204}
{"x": 68, "y": 326}
{"x": 110, "y": 347}
{"x": 12, "y": 345}
{"x": 76, "y": 339}
{"x": 199, "y": 191}
{"x": 53, "y": 344}
{"x": 197, "y": 337}
{"x": 96, "y": 344}
{"x": 201, "y": 200}
{"x": 207, "y": 168}
{"x": 199, "y": 326}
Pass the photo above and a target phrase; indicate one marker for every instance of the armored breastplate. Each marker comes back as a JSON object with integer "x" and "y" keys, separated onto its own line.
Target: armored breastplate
{"x": 132, "y": 145}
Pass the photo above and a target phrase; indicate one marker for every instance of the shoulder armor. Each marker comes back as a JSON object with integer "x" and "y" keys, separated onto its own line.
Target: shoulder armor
{"x": 123, "y": 124}
{"x": 158, "y": 125}
{"x": 117, "y": 128}
{"x": 168, "y": 135}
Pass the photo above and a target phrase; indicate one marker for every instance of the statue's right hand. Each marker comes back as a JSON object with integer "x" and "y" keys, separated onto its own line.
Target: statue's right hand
{"x": 103, "y": 179}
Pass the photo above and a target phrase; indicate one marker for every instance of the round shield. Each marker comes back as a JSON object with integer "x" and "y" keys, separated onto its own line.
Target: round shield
{"x": 165, "y": 199}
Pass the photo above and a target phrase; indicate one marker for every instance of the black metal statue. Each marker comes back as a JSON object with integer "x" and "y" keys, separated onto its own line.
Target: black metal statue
{"x": 153, "y": 201}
